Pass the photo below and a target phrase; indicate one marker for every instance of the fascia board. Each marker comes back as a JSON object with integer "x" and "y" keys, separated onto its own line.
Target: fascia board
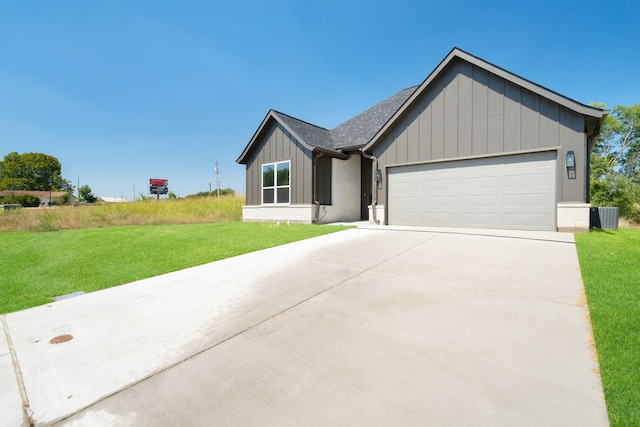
{"x": 331, "y": 153}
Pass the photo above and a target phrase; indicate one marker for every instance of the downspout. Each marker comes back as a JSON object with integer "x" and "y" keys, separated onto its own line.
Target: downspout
{"x": 374, "y": 186}
{"x": 315, "y": 187}
{"x": 587, "y": 178}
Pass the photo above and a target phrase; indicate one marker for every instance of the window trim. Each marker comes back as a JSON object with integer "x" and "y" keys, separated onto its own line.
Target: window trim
{"x": 275, "y": 186}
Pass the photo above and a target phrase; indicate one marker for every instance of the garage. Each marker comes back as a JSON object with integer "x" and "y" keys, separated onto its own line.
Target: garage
{"x": 510, "y": 192}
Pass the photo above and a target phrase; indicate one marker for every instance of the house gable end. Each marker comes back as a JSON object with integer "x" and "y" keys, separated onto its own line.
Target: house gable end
{"x": 594, "y": 117}
{"x": 276, "y": 144}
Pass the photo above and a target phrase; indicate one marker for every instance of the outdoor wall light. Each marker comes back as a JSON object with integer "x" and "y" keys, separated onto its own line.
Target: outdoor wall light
{"x": 571, "y": 165}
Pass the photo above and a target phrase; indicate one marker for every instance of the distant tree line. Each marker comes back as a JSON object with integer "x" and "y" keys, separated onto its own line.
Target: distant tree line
{"x": 223, "y": 192}
{"x": 615, "y": 162}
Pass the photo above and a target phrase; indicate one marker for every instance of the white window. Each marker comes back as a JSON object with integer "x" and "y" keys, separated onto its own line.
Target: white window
{"x": 275, "y": 183}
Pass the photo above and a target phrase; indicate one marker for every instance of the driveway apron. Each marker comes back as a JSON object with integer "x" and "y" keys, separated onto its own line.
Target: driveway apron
{"x": 369, "y": 326}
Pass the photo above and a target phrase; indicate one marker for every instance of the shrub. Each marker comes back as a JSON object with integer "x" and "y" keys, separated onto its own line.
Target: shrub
{"x": 25, "y": 200}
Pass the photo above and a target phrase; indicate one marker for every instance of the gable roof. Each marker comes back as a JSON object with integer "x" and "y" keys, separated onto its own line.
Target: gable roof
{"x": 595, "y": 116}
{"x": 365, "y": 130}
{"x": 312, "y": 137}
{"x": 353, "y": 133}
{"x": 308, "y": 134}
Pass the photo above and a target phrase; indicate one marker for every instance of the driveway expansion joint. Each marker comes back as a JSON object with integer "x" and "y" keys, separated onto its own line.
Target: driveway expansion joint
{"x": 26, "y": 409}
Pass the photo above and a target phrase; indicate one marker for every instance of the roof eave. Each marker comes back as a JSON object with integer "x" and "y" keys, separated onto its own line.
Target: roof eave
{"x": 331, "y": 153}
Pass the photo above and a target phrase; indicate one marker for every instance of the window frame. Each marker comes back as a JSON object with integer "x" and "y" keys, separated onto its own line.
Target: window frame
{"x": 275, "y": 187}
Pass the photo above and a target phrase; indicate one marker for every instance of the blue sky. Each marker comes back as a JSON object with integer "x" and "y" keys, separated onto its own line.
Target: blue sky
{"x": 121, "y": 91}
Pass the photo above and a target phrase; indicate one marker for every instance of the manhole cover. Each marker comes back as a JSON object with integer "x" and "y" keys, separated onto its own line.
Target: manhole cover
{"x": 60, "y": 339}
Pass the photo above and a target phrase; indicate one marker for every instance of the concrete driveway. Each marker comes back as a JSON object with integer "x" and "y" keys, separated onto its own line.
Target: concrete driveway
{"x": 358, "y": 328}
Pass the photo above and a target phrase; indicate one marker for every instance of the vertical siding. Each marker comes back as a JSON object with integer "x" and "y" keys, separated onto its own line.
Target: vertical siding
{"x": 402, "y": 141}
{"x": 549, "y": 123}
{"x": 479, "y": 112}
{"x": 468, "y": 111}
{"x": 437, "y": 122}
{"x": 512, "y": 104}
{"x": 530, "y": 130}
{"x": 465, "y": 109}
{"x": 495, "y": 114}
{"x": 413, "y": 134}
{"x": 424, "y": 121}
{"x": 451, "y": 113}
{"x": 278, "y": 145}
{"x": 573, "y": 139}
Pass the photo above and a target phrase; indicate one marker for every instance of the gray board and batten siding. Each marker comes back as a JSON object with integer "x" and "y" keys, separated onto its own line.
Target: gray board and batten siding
{"x": 468, "y": 112}
{"x": 277, "y": 145}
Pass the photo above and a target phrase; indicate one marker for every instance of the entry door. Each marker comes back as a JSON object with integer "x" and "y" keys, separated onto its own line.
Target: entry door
{"x": 512, "y": 192}
{"x": 365, "y": 188}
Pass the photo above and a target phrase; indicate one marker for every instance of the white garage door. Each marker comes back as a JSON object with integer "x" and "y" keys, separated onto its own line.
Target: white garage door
{"x": 513, "y": 192}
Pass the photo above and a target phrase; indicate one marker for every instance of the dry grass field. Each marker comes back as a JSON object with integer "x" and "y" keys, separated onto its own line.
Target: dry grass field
{"x": 146, "y": 212}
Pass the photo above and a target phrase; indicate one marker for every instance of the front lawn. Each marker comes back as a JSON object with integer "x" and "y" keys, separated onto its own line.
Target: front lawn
{"x": 37, "y": 266}
{"x": 610, "y": 264}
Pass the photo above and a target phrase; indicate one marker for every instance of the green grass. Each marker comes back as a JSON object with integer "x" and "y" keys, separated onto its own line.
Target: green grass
{"x": 610, "y": 264}
{"x": 38, "y": 266}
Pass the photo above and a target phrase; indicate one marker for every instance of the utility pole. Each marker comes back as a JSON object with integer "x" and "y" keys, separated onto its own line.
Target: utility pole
{"x": 217, "y": 181}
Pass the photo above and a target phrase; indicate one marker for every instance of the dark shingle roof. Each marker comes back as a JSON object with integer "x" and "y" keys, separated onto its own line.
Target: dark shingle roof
{"x": 313, "y": 135}
{"x": 359, "y": 130}
{"x": 353, "y": 133}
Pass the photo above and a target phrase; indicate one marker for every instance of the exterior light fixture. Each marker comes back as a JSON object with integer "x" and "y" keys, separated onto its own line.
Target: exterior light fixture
{"x": 571, "y": 165}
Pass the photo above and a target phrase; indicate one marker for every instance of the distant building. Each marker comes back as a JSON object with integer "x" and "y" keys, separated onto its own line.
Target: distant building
{"x": 112, "y": 200}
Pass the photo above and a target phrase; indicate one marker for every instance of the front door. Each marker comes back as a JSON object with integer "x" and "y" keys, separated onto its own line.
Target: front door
{"x": 365, "y": 188}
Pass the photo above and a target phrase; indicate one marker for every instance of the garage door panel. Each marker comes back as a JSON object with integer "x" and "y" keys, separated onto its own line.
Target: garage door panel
{"x": 407, "y": 188}
{"x": 478, "y": 219}
{"x": 480, "y": 201}
{"x": 407, "y": 204}
{"x": 479, "y": 182}
{"x": 501, "y": 192}
{"x": 439, "y": 202}
{"x": 524, "y": 181}
{"x": 530, "y": 200}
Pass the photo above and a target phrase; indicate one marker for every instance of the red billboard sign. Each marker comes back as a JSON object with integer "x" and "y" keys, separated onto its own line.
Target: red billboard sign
{"x": 158, "y": 186}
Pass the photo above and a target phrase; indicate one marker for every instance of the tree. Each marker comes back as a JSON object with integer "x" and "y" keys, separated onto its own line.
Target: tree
{"x": 85, "y": 194}
{"x": 615, "y": 162}
{"x": 63, "y": 200}
{"x": 32, "y": 171}
{"x": 172, "y": 195}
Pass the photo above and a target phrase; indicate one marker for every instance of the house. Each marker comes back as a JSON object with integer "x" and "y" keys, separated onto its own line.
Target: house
{"x": 46, "y": 197}
{"x": 472, "y": 146}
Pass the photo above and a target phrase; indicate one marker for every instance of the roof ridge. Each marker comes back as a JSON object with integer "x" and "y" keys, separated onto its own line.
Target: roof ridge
{"x": 300, "y": 120}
